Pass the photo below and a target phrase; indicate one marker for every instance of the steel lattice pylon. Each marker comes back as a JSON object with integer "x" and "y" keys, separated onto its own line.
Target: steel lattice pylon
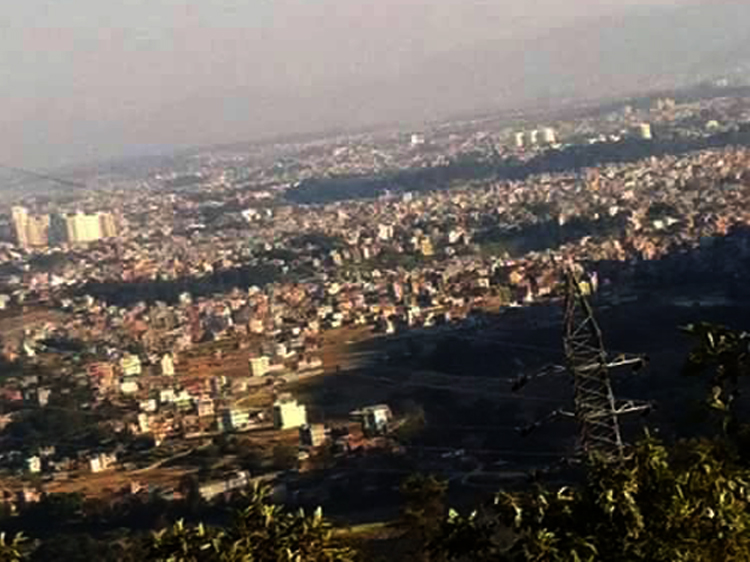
{"x": 595, "y": 406}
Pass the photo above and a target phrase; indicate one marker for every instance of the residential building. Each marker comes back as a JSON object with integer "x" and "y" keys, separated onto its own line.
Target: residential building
{"x": 288, "y": 414}
{"x": 81, "y": 228}
{"x": 130, "y": 365}
{"x": 313, "y": 435}
{"x": 259, "y": 366}
{"x": 205, "y": 408}
{"x": 210, "y": 490}
{"x": 102, "y": 462}
{"x": 374, "y": 419}
{"x": 549, "y": 135}
{"x": 30, "y": 230}
{"x": 235, "y": 419}
{"x": 34, "y": 464}
{"x": 108, "y": 225}
{"x": 167, "y": 365}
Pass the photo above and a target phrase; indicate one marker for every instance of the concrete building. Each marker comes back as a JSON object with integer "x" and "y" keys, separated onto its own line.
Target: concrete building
{"x": 102, "y": 462}
{"x": 144, "y": 425}
{"x": 34, "y": 464}
{"x": 644, "y": 131}
{"x": 130, "y": 365}
{"x": 259, "y": 366}
{"x": 129, "y": 386}
{"x": 417, "y": 139}
{"x": 425, "y": 246}
{"x": 108, "y": 225}
{"x": 205, "y": 408}
{"x": 30, "y": 230}
{"x": 288, "y": 414}
{"x": 374, "y": 419}
{"x": 385, "y": 232}
{"x": 20, "y": 219}
{"x": 519, "y": 139}
{"x": 81, "y": 228}
{"x": 235, "y": 419}
{"x": 549, "y": 135}
{"x": 313, "y": 435}
{"x": 210, "y": 490}
{"x": 167, "y": 365}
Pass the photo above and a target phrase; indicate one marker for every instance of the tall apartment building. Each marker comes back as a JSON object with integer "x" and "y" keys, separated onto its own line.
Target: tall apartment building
{"x": 644, "y": 131}
{"x": 108, "y": 225}
{"x": 30, "y": 230}
{"x": 20, "y": 219}
{"x": 80, "y": 228}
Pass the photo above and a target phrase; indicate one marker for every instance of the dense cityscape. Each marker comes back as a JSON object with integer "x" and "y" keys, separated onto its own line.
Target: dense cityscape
{"x": 327, "y": 316}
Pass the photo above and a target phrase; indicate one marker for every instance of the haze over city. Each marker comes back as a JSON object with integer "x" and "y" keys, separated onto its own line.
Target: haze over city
{"x": 84, "y": 80}
{"x": 393, "y": 281}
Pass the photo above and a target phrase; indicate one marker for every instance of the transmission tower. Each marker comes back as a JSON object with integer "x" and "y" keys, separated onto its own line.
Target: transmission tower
{"x": 596, "y": 409}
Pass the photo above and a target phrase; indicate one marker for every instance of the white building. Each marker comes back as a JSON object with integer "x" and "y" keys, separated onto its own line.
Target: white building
{"x": 210, "y": 490}
{"x": 144, "y": 425}
{"x": 167, "y": 365}
{"x": 34, "y": 464}
{"x": 205, "y": 408}
{"x": 288, "y": 414}
{"x": 128, "y": 386}
{"x": 259, "y": 366}
{"x": 549, "y": 135}
{"x": 385, "y": 232}
{"x": 375, "y": 419}
{"x": 644, "y": 131}
{"x": 81, "y": 228}
{"x": 148, "y": 405}
{"x": 235, "y": 419}
{"x": 102, "y": 462}
{"x": 313, "y": 435}
{"x": 130, "y": 365}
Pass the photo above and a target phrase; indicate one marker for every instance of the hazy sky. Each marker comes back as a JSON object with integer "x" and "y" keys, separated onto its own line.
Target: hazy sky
{"x": 86, "y": 79}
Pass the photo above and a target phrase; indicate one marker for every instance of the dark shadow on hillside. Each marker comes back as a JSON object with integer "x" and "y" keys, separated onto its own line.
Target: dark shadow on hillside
{"x": 459, "y": 379}
{"x": 126, "y": 293}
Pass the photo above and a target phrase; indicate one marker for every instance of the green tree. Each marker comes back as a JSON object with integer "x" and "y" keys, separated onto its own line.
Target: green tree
{"x": 422, "y": 512}
{"x": 724, "y": 355}
{"x": 687, "y": 504}
{"x": 261, "y": 532}
{"x": 11, "y": 550}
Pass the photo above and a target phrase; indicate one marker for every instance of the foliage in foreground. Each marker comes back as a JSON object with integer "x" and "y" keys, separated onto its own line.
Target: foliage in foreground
{"x": 261, "y": 532}
{"x": 687, "y": 504}
{"x": 11, "y": 549}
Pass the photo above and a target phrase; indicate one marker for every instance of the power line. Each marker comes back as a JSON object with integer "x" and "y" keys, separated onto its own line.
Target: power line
{"x": 504, "y": 452}
{"x": 484, "y": 392}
